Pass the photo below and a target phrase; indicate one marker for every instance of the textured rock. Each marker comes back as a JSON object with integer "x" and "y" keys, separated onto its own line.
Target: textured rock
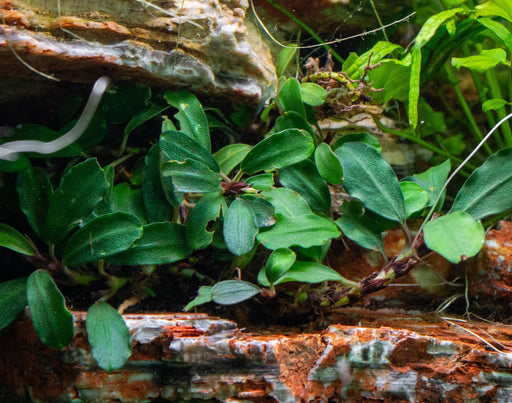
{"x": 204, "y": 46}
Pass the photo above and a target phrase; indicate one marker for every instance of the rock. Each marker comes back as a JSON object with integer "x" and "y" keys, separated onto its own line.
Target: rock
{"x": 207, "y": 47}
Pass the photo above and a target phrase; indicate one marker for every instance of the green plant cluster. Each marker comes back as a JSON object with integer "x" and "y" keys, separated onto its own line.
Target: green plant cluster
{"x": 271, "y": 199}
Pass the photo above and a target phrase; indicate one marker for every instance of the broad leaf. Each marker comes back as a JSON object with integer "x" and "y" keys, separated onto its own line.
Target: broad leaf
{"x": 231, "y": 292}
{"x": 292, "y": 120}
{"x": 157, "y": 207}
{"x": 415, "y": 198}
{"x": 230, "y": 156}
{"x": 262, "y": 208}
{"x": 287, "y": 202}
{"x": 328, "y": 165}
{"x": 34, "y": 191}
{"x": 486, "y": 60}
{"x": 206, "y": 210}
{"x": 12, "y": 239}
{"x": 192, "y": 176}
{"x": 305, "y": 231}
{"x": 80, "y": 190}
{"x": 191, "y": 116}
{"x": 109, "y": 337}
{"x": 13, "y": 299}
{"x": 279, "y": 150}
{"x": 52, "y": 321}
{"x": 487, "y": 191}
{"x": 240, "y": 228}
{"x": 160, "y": 243}
{"x": 455, "y": 236}
{"x": 290, "y": 97}
{"x": 362, "y": 137}
{"x": 313, "y": 94}
{"x": 432, "y": 181}
{"x": 278, "y": 263}
{"x": 368, "y": 177}
{"x": 102, "y": 237}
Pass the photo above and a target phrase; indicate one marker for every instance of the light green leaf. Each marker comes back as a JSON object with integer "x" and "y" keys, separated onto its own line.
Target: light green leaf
{"x": 390, "y": 76}
{"x": 204, "y": 296}
{"x": 380, "y": 50}
{"x": 414, "y": 87}
{"x": 231, "y": 292}
{"x": 432, "y": 181}
{"x": 313, "y": 94}
{"x": 279, "y": 150}
{"x": 278, "y": 263}
{"x": 12, "y": 239}
{"x": 240, "y": 228}
{"x": 13, "y": 299}
{"x": 416, "y": 199}
{"x": 160, "y": 243}
{"x": 230, "y": 156}
{"x": 498, "y": 29}
{"x": 486, "y": 60}
{"x": 192, "y": 176}
{"x": 287, "y": 202}
{"x": 494, "y": 104}
{"x": 284, "y": 58}
{"x": 368, "y": 177}
{"x": 487, "y": 190}
{"x": 305, "y": 231}
{"x": 430, "y": 27}
{"x": 328, "y": 164}
{"x": 304, "y": 272}
{"x": 455, "y": 236}
{"x": 52, "y": 321}
{"x": 102, "y": 237}
{"x": 290, "y": 97}
{"x": 206, "y": 210}
{"x": 191, "y": 116}
{"x": 109, "y": 337}
{"x": 263, "y": 181}
{"x": 495, "y": 8}
{"x": 157, "y": 207}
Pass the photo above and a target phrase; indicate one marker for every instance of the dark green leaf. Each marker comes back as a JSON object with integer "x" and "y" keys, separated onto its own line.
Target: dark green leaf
{"x": 240, "y": 228}
{"x": 125, "y": 199}
{"x": 231, "y": 292}
{"x": 263, "y": 210}
{"x": 102, "y": 237}
{"x": 191, "y": 116}
{"x": 362, "y": 137}
{"x": 206, "y": 210}
{"x": 328, "y": 165}
{"x": 262, "y": 181}
{"x": 292, "y": 120}
{"x": 109, "y": 337}
{"x": 279, "y": 150}
{"x": 368, "y": 177}
{"x": 230, "y": 156}
{"x": 143, "y": 116}
{"x": 287, "y": 202}
{"x": 157, "y": 207}
{"x": 192, "y": 176}
{"x": 13, "y": 299}
{"x": 304, "y": 272}
{"x": 160, "y": 243}
{"x": 124, "y": 100}
{"x": 278, "y": 263}
{"x": 12, "y": 239}
{"x": 52, "y": 321}
{"x": 290, "y": 97}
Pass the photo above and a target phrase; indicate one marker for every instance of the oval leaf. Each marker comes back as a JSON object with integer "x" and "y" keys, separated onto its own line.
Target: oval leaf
{"x": 432, "y": 181}
{"x": 13, "y": 299}
{"x": 279, "y": 150}
{"x": 278, "y": 263}
{"x": 307, "y": 272}
{"x": 231, "y": 292}
{"x": 192, "y": 176}
{"x": 206, "y": 210}
{"x": 328, "y": 165}
{"x": 230, "y": 156}
{"x": 369, "y": 177}
{"x": 109, "y": 337}
{"x": 52, "y": 321}
{"x": 287, "y": 202}
{"x": 284, "y": 58}
{"x": 12, "y": 239}
{"x": 240, "y": 228}
{"x": 290, "y": 97}
{"x": 313, "y": 94}
{"x": 415, "y": 198}
{"x": 455, "y": 236}
{"x": 102, "y": 237}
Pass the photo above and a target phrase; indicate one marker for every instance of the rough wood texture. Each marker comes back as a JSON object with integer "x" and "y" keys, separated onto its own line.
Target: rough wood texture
{"x": 204, "y": 46}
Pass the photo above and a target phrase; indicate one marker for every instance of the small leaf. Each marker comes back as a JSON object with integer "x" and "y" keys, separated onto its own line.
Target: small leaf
{"x": 52, "y": 321}
{"x": 305, "y": 230}
{"x": 380, "y": 50}
{"x": 109, "y": 337}
{"x": 292, "y": 120}
{"x": 230, "y": 156}
{"x": 287, "y": 202}
{"x": 143, "y": 116}
{"x": 160, "y": 243}
{"x": 370, "y": 178}
{"x": 204, "y": 295}
{"x": 313, "y": 94}
{"x": 455, "y": 236}
{"x": 263, "y": 210}
{"x": 191, "y": 116}
{"x": 12, "y": 239}
{"x": 206, "y": 210}
{"x": 432, "y": 181}
{"x": 486, "y": 60}
{"x": 231, "y": 292}
{"x": 125, "y": 199}
{"x": 415, "y": 198}
{"x": 240, "y": 228}
{"x": 13, "y": 299}
{"x": 192, "y": 176}
{"x": 305, "y": 272}
{"x": 278, "y": 263}
{"x": 157, "y": 207}
{"x": 494, "y": 104}
{"x": 362, "y": 137}
{"x": 262, "y": 181}
{"x": 279, "y": 150}
{"x": 328, "y": 165}
{"x": 290, "y": 97}
{"x": 284, "y": 58}
{"x": 102, "y": 237}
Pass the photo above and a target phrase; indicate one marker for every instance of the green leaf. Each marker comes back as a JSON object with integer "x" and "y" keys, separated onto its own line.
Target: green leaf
{"x": 328, "y": 165}
{"x": 292, "y": 120}
{"x": 231, "y": 292}
{"x": 430, "y": 27}
{"x": 124, "y": 100}
{"x": 160, "y": 243}
{"x": 109, "y": 337}
{"x": 192, "y": 176}
{"x": 455, "y": 145}
{"x": 12, "y": 239}
{"x": 290, "y": 97}
{"x": 284, "y": 58}
{"x": 390, "y": 76}
{"x": 414, "y": 87}
{"x": 305, "y": 231}
{"x": 125, "y": 199}
{"x": 143, "y": 116}
{"x": 13, "y": 299}
{"x": 304, "y": 178}
{"x": 204, "y": 296}
{"x": 486, "y": 60}
{"x": 415, "y": 198}
{"x": 304, "y": 272}
{"x": 287, "y": 202}
{"x": 102, "y": 237}
{"x": 487, "y": 190}
{"x": 240, "y": 228}
{"x": 431, "y": 121}
{"x": 432, "y": 181}
{"x": 262, "y": 181}
{"x": 492, "y": 8}
{"x": 206, "y": 210}
{"x": 52, "y": 321}
{"x": 263, "y": 210}
{"x": 191, "y": 116}
{"x": 279, "y": 150}
{"x": 157, "y": 207}
{"x": 313, "y": 94}
{"x": 80, "y": 190}
{"x": 498, "y": 29}
{"x": 494, "y": 104}
{"x": 230, "y": 156}
{"x": 278, "y": 263}
{"x": 455, "y": 236}
{"x": 380, "y": 50}
{"x": 368, "y": 177}
{"x": 363, "y": 137}
{"x": 177, "y": 146}
{"x": 34, "y": 191}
